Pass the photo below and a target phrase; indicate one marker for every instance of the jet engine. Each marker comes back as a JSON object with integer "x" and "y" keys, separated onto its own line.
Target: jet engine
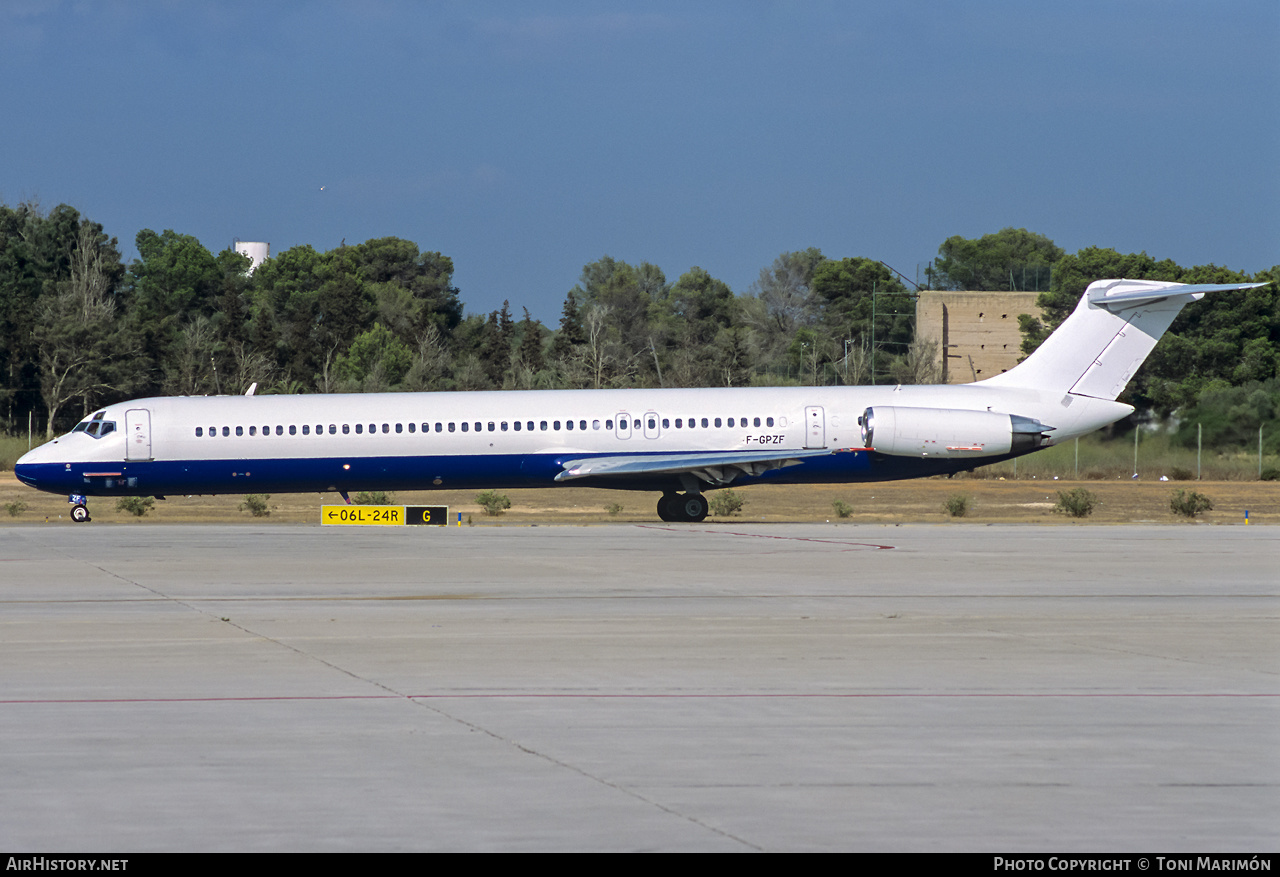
{"x": 949, "y": 432}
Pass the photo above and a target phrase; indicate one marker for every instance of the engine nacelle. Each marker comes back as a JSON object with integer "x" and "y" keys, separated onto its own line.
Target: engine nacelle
{"x": 949, "y": 432}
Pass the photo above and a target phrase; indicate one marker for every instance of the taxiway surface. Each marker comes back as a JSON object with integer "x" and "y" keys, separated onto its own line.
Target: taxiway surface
{"x": 667, "y": 687}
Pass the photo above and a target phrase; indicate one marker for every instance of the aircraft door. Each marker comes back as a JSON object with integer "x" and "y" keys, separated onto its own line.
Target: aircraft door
{"x": 137, "y": 428}
{"x": 815, "y": 427}
{"x": 623, "y": 425}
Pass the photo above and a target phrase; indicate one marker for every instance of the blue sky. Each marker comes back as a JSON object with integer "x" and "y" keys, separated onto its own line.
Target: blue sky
{"x": 526, "y": 139}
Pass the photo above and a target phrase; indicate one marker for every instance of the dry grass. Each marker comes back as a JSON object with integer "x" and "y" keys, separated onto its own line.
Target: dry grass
{"x": 1031, "y": 501}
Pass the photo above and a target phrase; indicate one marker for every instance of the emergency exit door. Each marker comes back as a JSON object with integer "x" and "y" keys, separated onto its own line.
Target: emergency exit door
{"x": 815, "y": 427}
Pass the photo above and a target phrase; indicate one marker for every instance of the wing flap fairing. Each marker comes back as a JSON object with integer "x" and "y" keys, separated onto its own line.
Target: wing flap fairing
{"x": 717, "y": 468}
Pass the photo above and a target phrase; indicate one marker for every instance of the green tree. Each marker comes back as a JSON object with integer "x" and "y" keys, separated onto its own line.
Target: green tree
{"x": 865, "y": 304}
{"x": 571, "y": 333}
{"x": 428, "y": 277}
{"x": 1012, "y": 258}
{"x": 785, "y": 290}
{"x": 376, "y": 360}
{"x": 36, "y": 252}
{"x": 77, "y": 332}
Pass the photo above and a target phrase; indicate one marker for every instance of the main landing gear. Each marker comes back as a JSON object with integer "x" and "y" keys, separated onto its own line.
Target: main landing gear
{"x": 686, "y": 507}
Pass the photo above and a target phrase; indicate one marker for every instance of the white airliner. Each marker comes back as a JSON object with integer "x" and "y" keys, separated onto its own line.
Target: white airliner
{"x": 680, "y": 442}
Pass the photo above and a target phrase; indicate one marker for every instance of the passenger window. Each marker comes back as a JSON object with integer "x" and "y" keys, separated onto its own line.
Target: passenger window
{"x": 226, "y": 431}
{"x": 768, "y": 421}
{"x": 529, "y": 426}
{"x": 306, "y": 429}
{"x": 333, "y": 429}
{"x": 555, "y": 424}
{"x": 400, "y": 427}
{"x": 582, "y": 424}
{"x": 359, "y": 429}
{"x": 293, "y": 430}
{"x": 346, "y": 429}
{"x": 386, "y": 427}
{"x": 491, "y": 426}
{"x": 756, "y": 421}
{"x": 568, "y": 424}
{"x": 730, "y": 422}
{"x": 239, "y": 430}
{"x": 717, "y": 423}
{"x": 373, "y": 427}
{"x": 608, "y": 424}
{"x": 544, "y": 426}
{"x": 464, "y": 426}
{"x": 451, "y": 427}
{"x": 595, "y": 424}
{"x": 678, "y": 422}
{"x": 440, "y": 427}
{"x": 279, "y": 429}
{"x": 213, "y": 431}
{"x": 504, "y": 426}
{"x": 199, "y": 430}
{"x": 516, "y": 424}
{"x": 652, "y": 423}
{"x": 412, "y": 427}
{"x": 666, "y": 424}
{"x": 253, "y": 430}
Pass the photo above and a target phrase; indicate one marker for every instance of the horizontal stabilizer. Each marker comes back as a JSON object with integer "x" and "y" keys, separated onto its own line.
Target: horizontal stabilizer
{"x": 1135, "y": 297}
{"x": 714, "y": 468}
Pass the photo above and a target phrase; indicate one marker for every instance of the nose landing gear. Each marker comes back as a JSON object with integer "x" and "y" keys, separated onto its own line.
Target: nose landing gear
{"x": 686, "y": 507}
{"x": 79, "y": 508}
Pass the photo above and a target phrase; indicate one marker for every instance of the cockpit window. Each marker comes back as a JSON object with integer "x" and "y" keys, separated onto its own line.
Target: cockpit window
{"x": 96, "y": 428}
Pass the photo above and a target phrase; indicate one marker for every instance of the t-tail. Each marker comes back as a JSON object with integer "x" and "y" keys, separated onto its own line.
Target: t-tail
{"x": 1100, "y": 346}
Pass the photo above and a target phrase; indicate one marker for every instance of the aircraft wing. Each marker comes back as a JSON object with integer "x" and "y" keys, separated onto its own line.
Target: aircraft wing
{"x": 714, "y": 467}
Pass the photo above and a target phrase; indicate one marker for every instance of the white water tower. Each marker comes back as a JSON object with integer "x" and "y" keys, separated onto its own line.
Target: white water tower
{"x": 257, "y": 251}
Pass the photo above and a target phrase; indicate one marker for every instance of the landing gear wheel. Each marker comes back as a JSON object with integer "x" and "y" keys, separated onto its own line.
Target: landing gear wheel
{"x": 667, "y": 507}
{"x": 80, "y": 513}
{"x": 693, "y": 507}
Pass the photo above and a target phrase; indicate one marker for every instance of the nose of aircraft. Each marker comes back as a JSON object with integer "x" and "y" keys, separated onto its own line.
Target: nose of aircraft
{"x": 28, "y": 466}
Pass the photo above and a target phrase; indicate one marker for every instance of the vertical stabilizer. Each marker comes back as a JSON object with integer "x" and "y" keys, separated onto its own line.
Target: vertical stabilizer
{"x": 1097, "y": 350}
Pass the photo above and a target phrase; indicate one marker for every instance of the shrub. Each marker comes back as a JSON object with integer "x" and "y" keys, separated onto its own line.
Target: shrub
{"x": 726, "y": 503}
{"x": 493, "y": 503}
{"x": 374, "y": 497}
{"x": 15, "y": 508}
{"x": 1271, "y": 474}
{"x": 841, "y": 508}
{"x": 958, "y": 505}
{"x": 1181, "y": 474}
{"x": 135, "y": 505}
{"x": 256, "y": 504}
{"x": 1188, "y": 504}
{"x": 1078, "y": 503}
{"x": 613, "y": 508}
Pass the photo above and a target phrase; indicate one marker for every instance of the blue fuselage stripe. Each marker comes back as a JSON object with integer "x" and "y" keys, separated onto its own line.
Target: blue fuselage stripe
{"x": 480, "y": 471}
